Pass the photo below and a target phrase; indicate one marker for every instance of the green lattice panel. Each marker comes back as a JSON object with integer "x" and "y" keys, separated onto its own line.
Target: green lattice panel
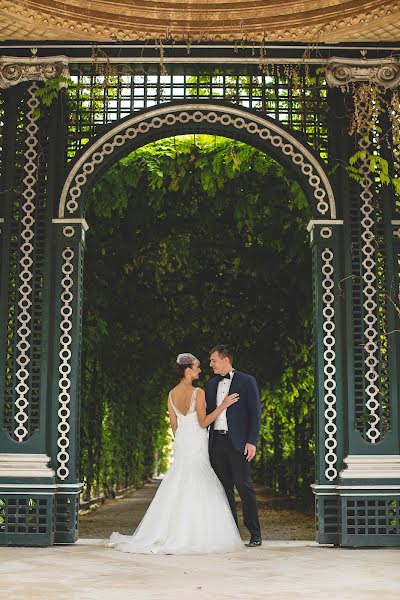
{"x": 371, "y": 521}
{"x": 97, "y": 100}
{"x": 26, "y": 520}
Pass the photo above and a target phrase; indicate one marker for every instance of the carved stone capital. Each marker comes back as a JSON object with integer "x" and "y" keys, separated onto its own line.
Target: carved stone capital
{"x": 14, "y": 70}
{"x": 341, "y": 71}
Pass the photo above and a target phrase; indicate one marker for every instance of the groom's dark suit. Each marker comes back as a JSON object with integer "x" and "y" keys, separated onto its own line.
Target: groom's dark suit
{"x": 226, "y": 451}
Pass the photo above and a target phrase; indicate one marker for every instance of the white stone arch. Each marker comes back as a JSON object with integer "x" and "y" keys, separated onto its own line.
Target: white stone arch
{"x": 222, "y": 116}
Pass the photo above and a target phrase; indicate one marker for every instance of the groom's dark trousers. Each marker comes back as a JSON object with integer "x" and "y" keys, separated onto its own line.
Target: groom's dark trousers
{"x": 226, "y": 450}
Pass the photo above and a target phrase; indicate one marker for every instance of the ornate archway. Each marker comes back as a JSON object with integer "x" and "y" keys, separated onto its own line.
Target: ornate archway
{"x": 199, "y": 117}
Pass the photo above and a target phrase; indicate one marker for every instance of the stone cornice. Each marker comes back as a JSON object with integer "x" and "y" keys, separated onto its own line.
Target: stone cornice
{"x": 257, "y": 20}
{"x": 25, "y": 465}
{"x": 371, "y": 467}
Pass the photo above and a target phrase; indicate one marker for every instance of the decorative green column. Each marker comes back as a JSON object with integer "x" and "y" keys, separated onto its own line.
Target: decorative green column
{"x": 27, "y": 475}
{"x": 363, "y": 500}
{"x": 68, "y": 249}
{"x": 369, "y": 482}
{"x": 327, "y": 255}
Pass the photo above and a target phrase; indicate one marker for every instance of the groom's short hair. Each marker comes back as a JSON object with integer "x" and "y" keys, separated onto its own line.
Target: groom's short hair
{"x": 223, "y": 351}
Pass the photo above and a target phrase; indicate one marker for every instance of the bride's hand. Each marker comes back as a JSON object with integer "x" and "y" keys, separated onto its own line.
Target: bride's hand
{"x": 231, "y": 399}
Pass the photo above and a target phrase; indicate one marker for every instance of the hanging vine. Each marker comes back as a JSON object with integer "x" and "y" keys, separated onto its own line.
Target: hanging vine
{"x": 371, "y": 104}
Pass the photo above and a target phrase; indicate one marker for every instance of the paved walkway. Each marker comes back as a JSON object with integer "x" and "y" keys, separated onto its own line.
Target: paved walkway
{"x": 278, "y": 516}
{"x": 278, "y": 571}
{"x": 284, "y": 568}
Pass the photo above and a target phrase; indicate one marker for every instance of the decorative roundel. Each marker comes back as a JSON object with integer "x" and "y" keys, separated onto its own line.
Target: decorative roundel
{"x": 68, "y": 231}
{"x": 326, "y": 232}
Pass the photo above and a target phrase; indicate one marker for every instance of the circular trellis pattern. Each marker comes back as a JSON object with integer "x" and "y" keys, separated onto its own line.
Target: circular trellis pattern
{"x": 24, "y": 317}
{"x": 326, "y": 232}
{"x": 168, "y": 117}
{"x": 69, "y": 231}
{"x": 371, "y": 335}
{"x": 64, "y": 368}
{"x": 328, "y": 311}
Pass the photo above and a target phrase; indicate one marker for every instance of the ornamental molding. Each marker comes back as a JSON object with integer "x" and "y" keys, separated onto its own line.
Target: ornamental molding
{"x": 325, "y": 227}
{"x": 371, "y": 466}
{"x": 314, "y": 222}
{"x": 336, "y": 490}
{"x": 25, "y": 465}
{"x": 201, "y": 20}
{"x": 15, "y": 70}
{"x": 60, "y": 488}
{"x": 342, "y": 71}
{"x": 169, "y": 116}
{"x": 81, "y": 222}
{"x": 68, "y": 226}
{"x": 395, "y": 226}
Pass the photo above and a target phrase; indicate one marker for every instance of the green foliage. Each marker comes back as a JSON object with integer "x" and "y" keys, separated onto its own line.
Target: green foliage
{"x": 377, "y": 165}
{"x": 48, "y": 92}
{"x": 375, "y": 118}
{"x": 193, "y": 241}
{"x": 286, "y": 458}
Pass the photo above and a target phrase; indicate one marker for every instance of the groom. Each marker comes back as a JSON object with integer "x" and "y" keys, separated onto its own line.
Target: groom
{"x": 233, "y": 435}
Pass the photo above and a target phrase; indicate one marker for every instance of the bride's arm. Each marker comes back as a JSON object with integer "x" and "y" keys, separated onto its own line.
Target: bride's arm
{"x": 172, "y": 417}
{"x": 206, "y": 420}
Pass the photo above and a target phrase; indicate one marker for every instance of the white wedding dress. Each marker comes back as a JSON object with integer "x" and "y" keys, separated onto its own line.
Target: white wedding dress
{"x": 190, "y": 513}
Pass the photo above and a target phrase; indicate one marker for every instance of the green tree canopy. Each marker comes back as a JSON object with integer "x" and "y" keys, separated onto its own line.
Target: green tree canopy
{"x": 194, "y": 241}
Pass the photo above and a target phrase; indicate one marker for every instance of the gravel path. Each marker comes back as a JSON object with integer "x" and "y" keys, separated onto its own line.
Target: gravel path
{"x": 279, "y": 520}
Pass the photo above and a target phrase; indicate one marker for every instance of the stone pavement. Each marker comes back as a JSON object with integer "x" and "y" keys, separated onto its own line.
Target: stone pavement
{"x": 279, "y": 570}
{"x": 279, "y": 518}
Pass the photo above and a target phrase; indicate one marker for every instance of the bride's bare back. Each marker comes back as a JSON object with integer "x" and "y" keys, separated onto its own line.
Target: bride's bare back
{"x": 181, "y": 396}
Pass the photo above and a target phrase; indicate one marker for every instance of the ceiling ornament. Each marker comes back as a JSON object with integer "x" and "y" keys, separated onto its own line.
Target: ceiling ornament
{"x": 196, "y": 20}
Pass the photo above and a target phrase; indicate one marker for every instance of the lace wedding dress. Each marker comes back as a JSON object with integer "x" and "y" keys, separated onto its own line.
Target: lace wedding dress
{"x": 190, "y": 513}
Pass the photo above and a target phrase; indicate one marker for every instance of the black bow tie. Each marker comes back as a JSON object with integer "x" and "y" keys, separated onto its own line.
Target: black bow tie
{"x": 227, "y": 376}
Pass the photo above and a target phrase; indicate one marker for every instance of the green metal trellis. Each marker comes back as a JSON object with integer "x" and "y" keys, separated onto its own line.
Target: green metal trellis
{"x": 48, "y": 165}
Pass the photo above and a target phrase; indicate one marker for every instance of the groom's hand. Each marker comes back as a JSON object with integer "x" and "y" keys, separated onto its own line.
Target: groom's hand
{"x": 249, "y": 451}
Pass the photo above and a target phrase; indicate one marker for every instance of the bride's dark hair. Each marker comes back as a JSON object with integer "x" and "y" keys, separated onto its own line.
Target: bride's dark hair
{"x": 183, "y": 362}
{"x": 179, "y": 370}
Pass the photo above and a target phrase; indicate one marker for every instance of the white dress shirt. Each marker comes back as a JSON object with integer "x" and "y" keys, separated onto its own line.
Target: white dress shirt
{"x": 222, "y": 391}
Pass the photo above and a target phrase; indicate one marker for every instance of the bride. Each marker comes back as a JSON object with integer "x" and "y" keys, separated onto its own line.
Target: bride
{"x": 190, "y": 513}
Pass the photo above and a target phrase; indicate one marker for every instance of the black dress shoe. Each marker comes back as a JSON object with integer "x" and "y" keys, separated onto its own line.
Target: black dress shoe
{"x": 254, "y": 542}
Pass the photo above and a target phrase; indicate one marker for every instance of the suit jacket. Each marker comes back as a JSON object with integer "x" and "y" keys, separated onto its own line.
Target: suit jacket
{"x": 244, "y": 417}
